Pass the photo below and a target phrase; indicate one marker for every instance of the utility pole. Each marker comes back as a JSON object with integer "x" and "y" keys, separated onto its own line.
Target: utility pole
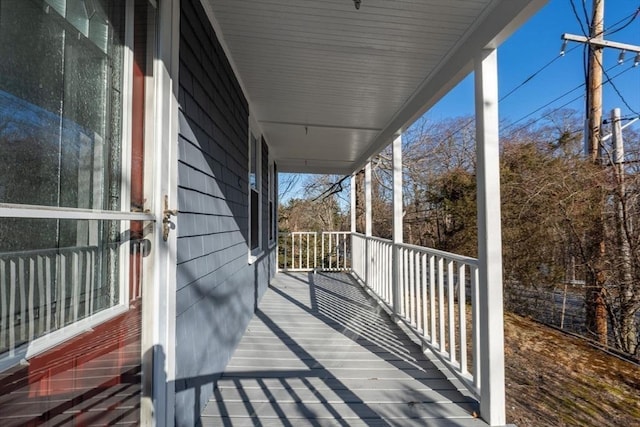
{"x": 596, "y": 312}
{"x": 596, "y": 308}
{"x": 594, "y": 94}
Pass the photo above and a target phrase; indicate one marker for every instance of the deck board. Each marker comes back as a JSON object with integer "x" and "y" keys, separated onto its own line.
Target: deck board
{"x": 320, "y": 352}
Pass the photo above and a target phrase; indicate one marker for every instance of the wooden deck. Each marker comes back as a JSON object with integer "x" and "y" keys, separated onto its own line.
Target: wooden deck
{"x": 320, "y": 352}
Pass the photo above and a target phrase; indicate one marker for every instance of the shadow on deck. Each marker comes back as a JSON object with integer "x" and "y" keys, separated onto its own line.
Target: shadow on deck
{"x": 320, "y": 352}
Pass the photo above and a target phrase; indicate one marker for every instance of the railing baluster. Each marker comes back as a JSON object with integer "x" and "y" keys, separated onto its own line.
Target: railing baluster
{"x": 330, "y": 252}
{"x": 441, "y": 320}
{"x": 412, "y": 282}
{"x": 337, "y": 251}
{"x": 475, "y": 313}
{"x": 405, "y": 283}
{"x": 432, "y": 298}
{"x": 376, "y": 278}
{"x": 451, "y": 311}
{"x": 422, "y": 309}
{"x": 344, "y": 250}
{"x": 462, "y": 314}
{"x": 300, "y": 251}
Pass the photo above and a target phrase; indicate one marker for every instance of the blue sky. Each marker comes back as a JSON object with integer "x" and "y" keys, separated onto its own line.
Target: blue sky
{"x": 536, "y": 44}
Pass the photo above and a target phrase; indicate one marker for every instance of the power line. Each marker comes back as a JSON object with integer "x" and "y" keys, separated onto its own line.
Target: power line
{"x": 528, "y": 79}
{"x": 575, "y": 13}
{"x": 631, "y": 18}
{"x": 609, "y": 80}
{"x": 543, "y": 116}
{"x": 546, "y": 105}
{"x": 616, "y": 88}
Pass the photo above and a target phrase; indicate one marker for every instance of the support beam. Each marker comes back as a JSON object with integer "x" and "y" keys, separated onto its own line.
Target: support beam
{"x": 397, "y": 221}
{"x": 492, "y": 395}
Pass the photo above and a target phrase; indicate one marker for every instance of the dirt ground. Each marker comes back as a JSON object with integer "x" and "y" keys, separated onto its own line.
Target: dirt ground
{"x": 553, "y": 379}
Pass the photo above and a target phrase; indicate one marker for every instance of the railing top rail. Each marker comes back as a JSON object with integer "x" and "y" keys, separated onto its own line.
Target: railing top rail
{"x": 436, "y": 252}
{"x": 284, "y": 233}
{"x": 443, "y": 254}
{"x": 377, "y": 239}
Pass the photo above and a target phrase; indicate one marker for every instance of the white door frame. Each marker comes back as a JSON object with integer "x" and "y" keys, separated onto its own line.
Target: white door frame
{"x": 159, "y": 309}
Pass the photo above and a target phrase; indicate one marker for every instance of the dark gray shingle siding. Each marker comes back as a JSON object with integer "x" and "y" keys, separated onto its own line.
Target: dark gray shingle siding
{"x": 217, "y": 290}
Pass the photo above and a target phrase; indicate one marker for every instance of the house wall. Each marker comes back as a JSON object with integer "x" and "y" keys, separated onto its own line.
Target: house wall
{"x": 217, "y": 288}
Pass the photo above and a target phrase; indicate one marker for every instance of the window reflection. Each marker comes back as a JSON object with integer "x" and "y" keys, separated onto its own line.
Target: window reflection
{"x": 60, "y": 113}
{"x": 60, "y": 102}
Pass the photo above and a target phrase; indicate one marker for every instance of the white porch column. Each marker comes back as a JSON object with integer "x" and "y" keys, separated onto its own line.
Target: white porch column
{"x": 367, "y": 227}
{"x": 352, "y": 194}
{"x": 397, "y": 221}
{"x": 492, "y": 398}
{"x": 367, "y": 198}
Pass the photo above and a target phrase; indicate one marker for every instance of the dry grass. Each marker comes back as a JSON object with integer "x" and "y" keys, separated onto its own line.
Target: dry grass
{"x": 556, "y": 380}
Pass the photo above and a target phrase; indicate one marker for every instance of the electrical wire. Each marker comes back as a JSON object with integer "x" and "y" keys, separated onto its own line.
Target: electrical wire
{"x": 631, "y": 18}
{"x": 528, "y": 79}
{"x": 544, "y": 116}
{"x": 575, "y": 13}
{"x": 609, "y": 79}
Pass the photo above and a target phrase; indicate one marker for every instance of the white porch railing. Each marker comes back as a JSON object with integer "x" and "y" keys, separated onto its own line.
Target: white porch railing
{"x": 436, "y": 293}
{"x": 309, "y": 251}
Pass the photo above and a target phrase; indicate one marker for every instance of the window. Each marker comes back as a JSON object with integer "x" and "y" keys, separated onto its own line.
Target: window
{"x": 272, "y": 208}
{"x": 62, "y": 145}
{"x": 254, "y": 194}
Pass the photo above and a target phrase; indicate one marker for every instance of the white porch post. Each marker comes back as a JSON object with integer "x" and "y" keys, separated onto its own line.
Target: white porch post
{"x": 352, "y": 194}
{"x": 367, "y": 218}
{"x": 492, "y": 398}
{"x": 397, "y": 222}
{"x": 355, "y": 256}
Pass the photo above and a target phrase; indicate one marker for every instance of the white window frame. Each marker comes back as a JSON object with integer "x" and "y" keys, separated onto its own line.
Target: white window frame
{"x": 256, "y": 252}
{"x": 272, "y": 205}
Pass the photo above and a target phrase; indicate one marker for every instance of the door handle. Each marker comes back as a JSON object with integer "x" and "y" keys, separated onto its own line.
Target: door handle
{"x": 167, "y": 213}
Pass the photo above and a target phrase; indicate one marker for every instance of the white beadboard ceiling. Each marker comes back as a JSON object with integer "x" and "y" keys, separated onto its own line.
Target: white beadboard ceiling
{"x": 329, "y": 86}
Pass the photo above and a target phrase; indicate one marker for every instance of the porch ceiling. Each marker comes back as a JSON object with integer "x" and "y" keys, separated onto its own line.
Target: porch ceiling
{"x": 330, "y": 86}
